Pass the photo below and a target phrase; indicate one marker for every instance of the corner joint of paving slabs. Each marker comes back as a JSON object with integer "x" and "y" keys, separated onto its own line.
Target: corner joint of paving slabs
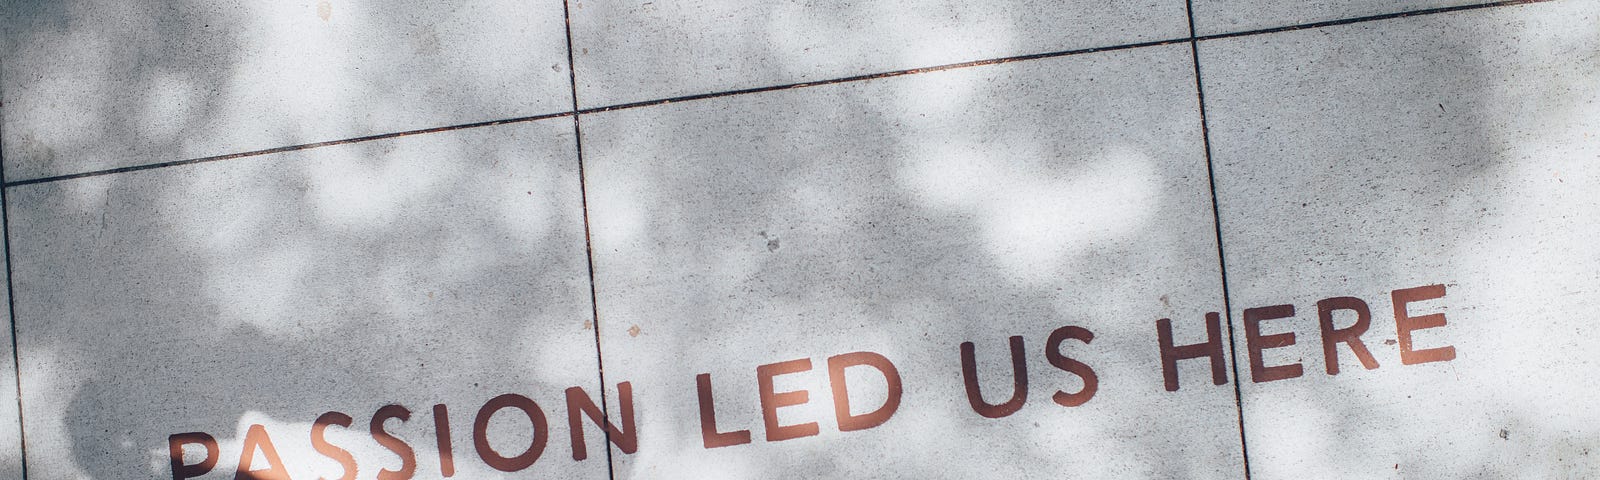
{"x": 1216, "y": 222}
{"x": 11, "y": 313}
{"x": 588, "y": 243}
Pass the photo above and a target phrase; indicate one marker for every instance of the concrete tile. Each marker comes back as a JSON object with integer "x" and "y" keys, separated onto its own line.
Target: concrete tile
{"x": 633, "y": 50}
{"x": 97, "y": 85}
{"x": 1458, "y": 150}
{"x": 10, "y": 429}
{"x": 446, "y": 268}
{"x": 1225, "y": 16}
{"x": 903, "y": 217}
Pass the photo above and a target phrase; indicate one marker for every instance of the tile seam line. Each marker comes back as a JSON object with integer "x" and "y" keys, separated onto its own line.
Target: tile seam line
{"x": 787, "y": 86}
{"x": 1368, "y": 18}
{"x": 1216, "y": 223}
{"x": 285, "y": 149}
{"x": 588, "y": 245}
{"x": 11, "y": 313}
{"x": 1062, "y": 53}
{"x": 585, "y": 111}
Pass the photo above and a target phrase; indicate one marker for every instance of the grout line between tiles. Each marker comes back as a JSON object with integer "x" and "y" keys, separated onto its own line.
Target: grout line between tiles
{"x": 874, "y": 76}
{"x": 588, "y": 244}
{"x": 577, "y": 111}
{"x": 1216, "y": 222}
{"x": 1369, "y": 18}
{"x": 290, "y": 148}
{"x": 11, "y": 313}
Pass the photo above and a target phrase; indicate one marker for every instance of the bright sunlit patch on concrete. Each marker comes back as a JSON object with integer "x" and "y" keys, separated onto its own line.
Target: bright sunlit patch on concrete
{"x": 259, "y": 289}
{"x": 1535, "y": 253}
{"x": 928, "y": 47}
{"x": 803, "y": 34}
{"x": 1032, "y": 219}
{"x": 684, "y": 465}
{"x": 1068, "y": 426}
{"x": 49, "y": 422}
{"x": 288, "y": 439}
{"x": 285, "y": 38}
{"x": 351, "y": 192}
{"x": 571, "y": 358}
{"x": 167, "y": 105}
{"x": 531, "y": 207}
{"x": 627, "y": 221}
{"x": 950, "y": 94}
{"x": 1542, "y": 217}
{"x": 1302, "y": 439}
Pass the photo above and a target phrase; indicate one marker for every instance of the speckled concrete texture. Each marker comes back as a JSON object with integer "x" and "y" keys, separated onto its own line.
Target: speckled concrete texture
{"x": 439, "y": 269}
{"x": 1460, "y": 150}
{"x": 10, "y": 431}
{"x": 97, "y": 85}
{"x": 815, "y": 239}
{"x": 1228, "y": 16}
{"x": 905, "y": 217}
{"x": 634, "y": 50}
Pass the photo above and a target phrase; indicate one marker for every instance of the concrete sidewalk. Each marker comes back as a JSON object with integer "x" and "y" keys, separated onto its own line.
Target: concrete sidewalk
{"x": 824, "y": 239}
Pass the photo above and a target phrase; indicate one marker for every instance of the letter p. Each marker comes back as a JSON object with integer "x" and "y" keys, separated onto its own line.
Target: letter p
{"x": 175, "y": 445}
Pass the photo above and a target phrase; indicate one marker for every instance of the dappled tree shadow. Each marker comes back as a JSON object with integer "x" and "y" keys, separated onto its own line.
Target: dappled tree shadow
{"x": 900, "y": 215}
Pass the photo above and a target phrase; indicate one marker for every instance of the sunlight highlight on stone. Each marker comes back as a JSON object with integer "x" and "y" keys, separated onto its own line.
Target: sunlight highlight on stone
{"x": 1033, "y": 221}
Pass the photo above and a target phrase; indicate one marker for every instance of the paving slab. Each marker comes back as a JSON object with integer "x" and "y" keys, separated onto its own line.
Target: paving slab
{"x": 786, "y": 279}
{"x": 634, "y": 50}
{"x": 242, "y": 300}
{"x": 1437, "y": 173}
{"x": 10, "y": 428}
{"x": 98, "y": 85}
{"x": 1228, "y": 16}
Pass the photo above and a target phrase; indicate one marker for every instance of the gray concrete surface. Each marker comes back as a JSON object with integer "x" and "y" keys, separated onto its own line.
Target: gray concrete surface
{"x": 97, "y": 85}
{"x": 634, "y": 50}
{"x": 1450, "y": 155}
{"x": 1226, "y": 16}
{"x": 904, "y": 217}
{"x": 10, "y": 431}
{"x": 1461, "y": 150}
{"x": 445, "y": 268}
